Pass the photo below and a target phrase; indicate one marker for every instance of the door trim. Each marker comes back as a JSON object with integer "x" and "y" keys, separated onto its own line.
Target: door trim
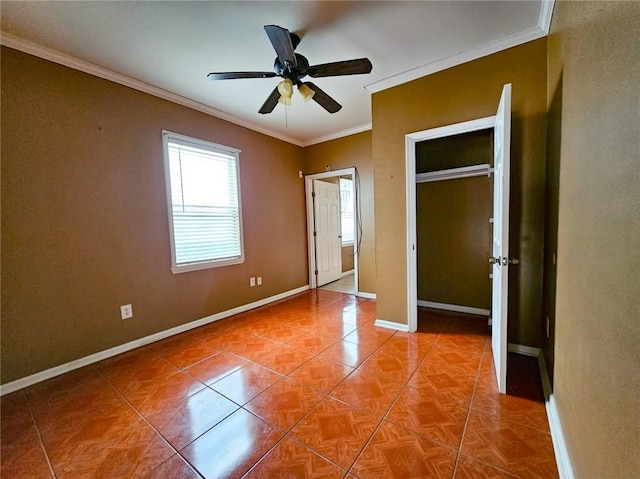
{"x": 311, "y": 245}
{"x": 410, "y": 166}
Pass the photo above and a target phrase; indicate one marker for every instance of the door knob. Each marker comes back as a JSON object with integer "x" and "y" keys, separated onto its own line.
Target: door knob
{"x": 503, "y": 261}
{"x": 506, "y": 261}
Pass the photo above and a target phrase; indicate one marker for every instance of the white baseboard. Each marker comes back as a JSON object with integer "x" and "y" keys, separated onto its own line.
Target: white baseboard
{"x": 454, "y": 307}
{"x": 94, "y": 358}
{"x": 383, "y": 323}
{"x": 565, "y": 470}
{"x": 362, "y": 294}
{"x": 347, "y": 273}
{"x": 525, "y": 350}
{"x": 559, "y": 445}
{"x": 544, "y": 375}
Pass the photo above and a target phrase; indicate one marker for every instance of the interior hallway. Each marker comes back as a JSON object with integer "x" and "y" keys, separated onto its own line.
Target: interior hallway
{"x": 307, "y": 387}
{"x": 346, "y": 284}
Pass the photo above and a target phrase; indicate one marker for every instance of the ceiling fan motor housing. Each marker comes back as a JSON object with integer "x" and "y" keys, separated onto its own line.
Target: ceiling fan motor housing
{"x": 293, "y": 72}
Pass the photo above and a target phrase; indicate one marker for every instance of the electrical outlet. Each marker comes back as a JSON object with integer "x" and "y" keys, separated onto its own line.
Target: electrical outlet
{"x": 259, "y": 280}
{"x": 299, "y": 173}
{"x": 252, "y": 281}
{"x": 126, "y": 311}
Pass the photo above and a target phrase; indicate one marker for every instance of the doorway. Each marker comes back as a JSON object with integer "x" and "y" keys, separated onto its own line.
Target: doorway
{"x": 454, "y": 207}
{"x": 332, "y": 230}
{"x": 501, "y": 124}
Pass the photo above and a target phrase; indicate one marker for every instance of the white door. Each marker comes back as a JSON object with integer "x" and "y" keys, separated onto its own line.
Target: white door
{"x": 326, "y": 209}
{"x": 500, "y": 259}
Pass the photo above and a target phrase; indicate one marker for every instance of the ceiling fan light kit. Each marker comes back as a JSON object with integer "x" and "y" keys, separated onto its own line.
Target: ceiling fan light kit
{"x": 306, "y": 92}
{"x": 285, "y": 88}
{"x": 292, "y": 67}
{"x": 285, "y": 100}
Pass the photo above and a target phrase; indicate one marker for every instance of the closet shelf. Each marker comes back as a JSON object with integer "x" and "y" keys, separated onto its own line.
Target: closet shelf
{"x": 454, "y": 173}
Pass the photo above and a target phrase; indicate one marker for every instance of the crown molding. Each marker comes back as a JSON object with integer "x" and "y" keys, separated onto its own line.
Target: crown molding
{"x": 34, "y": 49}
{"x": 463, "y": 57}
{"x": 546, "y": 12}
{"x": 339, "y": 134}
{"x": 541, "y": 30}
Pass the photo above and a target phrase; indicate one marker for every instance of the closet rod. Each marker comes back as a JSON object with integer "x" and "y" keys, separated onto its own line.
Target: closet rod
{"x": 454, "y": 173}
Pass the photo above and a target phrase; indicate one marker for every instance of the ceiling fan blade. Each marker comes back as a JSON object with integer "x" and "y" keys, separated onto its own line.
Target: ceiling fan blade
{"x": 347, "y": 67}
{"x": 324, "y": 100}
{"x": 271, "y": 102}
{"x": 281, "y": 41}
{"x": 237, "y": 75}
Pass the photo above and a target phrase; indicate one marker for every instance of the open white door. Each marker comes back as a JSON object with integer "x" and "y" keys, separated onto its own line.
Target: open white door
{"x": 500, "y": 259}
{"x": 328, "y": 242}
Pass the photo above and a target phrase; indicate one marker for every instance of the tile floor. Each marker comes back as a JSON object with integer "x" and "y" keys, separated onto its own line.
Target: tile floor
{"x": 306, "y": 387}
{"x": 346, "y": 284}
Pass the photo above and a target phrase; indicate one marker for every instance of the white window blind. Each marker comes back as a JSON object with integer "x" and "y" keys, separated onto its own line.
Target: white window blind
{"x": 203, "y": 191}
{"x": 346, "y": 210}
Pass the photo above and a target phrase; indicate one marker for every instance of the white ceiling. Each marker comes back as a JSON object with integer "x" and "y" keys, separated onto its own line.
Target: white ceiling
{"x": 167, "y": 48}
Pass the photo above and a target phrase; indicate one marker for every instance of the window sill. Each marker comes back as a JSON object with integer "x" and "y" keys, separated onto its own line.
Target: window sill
{"x": 206, "y": 265}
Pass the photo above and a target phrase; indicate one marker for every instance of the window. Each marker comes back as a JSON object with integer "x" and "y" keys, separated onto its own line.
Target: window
{"x": 203, "y": 193}
{"x": 346, "y": 210}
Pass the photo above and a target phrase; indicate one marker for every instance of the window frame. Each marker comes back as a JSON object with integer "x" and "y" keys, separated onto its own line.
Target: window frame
{"x": 345, "y": 243}
{"x": 167, "y": 137}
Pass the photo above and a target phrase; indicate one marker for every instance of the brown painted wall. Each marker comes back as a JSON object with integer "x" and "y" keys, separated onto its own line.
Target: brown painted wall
{"x": 458, "y": 94}
{"x": 347, "y": 258}
{"x": 84, "y": 218}
{"x": 456, "y": 151}
{"x": 353, "y": 150}
{"x": 454, "y": 241}
{"x": 594, "y": 97}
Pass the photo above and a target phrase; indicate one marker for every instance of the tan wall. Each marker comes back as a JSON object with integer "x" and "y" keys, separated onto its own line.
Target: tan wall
{"x": 454, "y": 241}
{"x": 458, "y": 94}
{"x": 594, "y": 97}
{"x": 353, "y": 150}
{"x": 347, "y": 258}
{"x": 84, "y": 217}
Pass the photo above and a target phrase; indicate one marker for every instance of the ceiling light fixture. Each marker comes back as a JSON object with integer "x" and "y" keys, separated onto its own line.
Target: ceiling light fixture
{"x": 285, "y": 88}
{"x": 292, "y": 67}
{"x": 306, "y": 92}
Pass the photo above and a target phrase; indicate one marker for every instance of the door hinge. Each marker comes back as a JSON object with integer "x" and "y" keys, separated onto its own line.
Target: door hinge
{"x": 313, "y": 194}
{"x": 315, "y": 234}
{"x": 316, "y": 272}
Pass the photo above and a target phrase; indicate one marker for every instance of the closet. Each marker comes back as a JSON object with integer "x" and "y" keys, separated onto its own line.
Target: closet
{"x": 454, "y": 205}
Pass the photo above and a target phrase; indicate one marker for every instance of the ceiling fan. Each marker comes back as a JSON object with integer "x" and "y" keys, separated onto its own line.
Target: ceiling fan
{"x": 292, "y": 67}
